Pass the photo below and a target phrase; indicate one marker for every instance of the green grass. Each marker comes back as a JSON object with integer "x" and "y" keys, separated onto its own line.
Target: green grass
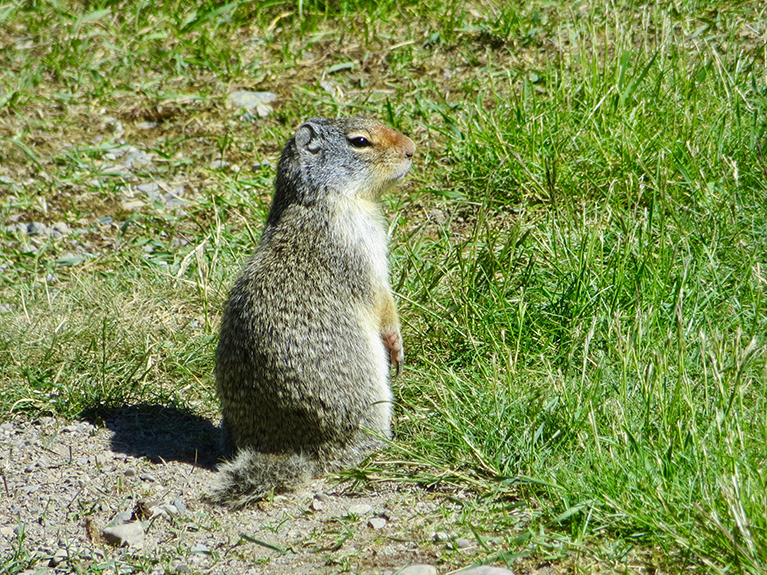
{"x": 579, "y": 254}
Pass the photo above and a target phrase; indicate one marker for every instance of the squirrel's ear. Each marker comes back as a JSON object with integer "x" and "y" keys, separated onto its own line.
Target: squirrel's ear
{"x": 306, "y": 138}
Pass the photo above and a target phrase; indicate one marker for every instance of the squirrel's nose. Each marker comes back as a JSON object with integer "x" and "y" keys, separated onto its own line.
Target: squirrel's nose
{"x": 409, "y": 148}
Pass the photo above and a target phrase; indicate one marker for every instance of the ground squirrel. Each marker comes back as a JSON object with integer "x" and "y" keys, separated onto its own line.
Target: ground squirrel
{"x": 310, "y": 331}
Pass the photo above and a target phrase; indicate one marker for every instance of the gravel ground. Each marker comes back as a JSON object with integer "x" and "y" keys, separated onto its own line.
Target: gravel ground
{"x": 68, "y": 485}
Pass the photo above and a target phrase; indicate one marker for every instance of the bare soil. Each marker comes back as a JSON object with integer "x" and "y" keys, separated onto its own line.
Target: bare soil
{"x": 64, "y": 482}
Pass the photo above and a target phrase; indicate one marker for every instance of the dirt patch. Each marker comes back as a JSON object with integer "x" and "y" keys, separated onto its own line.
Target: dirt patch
{"x": 65, "y": 482}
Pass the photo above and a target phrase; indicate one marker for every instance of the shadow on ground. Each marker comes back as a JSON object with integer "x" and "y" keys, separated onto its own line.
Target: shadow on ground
{"x": 160, "y": 433}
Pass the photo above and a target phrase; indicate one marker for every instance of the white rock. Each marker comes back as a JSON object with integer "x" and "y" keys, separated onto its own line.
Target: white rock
{"x": 127, "y": 534}
{"x": 254, "y": 102}
{"x": 377, "y": 522}
{"x": 250, "y": 100}
{"x": 38, "y": 229}
{"x": 178, "y": 503}
{"x": 419, "y": 570}
{"x": 484, "y": 570}
{"x": 59, "y": 557}
{"x": 149, "y": 187}
{"x": 359, "y": 509}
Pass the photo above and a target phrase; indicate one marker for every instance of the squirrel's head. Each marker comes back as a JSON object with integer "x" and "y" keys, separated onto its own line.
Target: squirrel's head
{"x": 348, "y": 157}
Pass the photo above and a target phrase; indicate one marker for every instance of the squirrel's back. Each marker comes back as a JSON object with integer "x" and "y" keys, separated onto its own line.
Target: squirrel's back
{"x": 310, "y": 328}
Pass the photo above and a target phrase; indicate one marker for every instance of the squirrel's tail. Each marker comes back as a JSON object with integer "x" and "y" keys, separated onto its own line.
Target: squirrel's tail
{"x": 252, "y": 475}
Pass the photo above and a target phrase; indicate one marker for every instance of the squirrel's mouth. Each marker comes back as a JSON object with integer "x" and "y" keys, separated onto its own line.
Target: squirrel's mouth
{"x": 379, "y": 182}
{"x": 401, "y": 170}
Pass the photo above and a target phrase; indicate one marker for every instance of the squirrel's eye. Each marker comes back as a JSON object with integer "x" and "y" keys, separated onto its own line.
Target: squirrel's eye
{"x": 360, "y": 142}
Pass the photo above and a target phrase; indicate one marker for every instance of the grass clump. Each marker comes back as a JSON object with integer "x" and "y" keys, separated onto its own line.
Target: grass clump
{"x": 604, "y": 311}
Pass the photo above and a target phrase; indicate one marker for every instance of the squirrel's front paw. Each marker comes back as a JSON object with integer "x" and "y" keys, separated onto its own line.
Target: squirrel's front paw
{"x": 393, "y": 341}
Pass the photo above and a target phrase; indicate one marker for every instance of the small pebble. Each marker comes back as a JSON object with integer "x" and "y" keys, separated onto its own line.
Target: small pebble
{"x": 199, "y": 548}
{"x": 182, "y": 568}
{"x": 463, "y": 543}
{"x": 258, "y": 102}
{"x": 38, "y": 229}
{"x": 317, "y": 505}
{"x": 148, "y": 188}
{"x": 18, "y": 228}
{"x": 59, "y": 557}
{"x": 377, "y": 522}
{"x": 130, "y": 472}
{"x": 247, "y": 99}
{"x": 441, "y": 537}
{"x": 147, "y": 477}
{"x": 127, "y": 534}
{"x": 179, "y": 505}
{"x": 484, "y": 570}
{"x": 419, "y": 570}
{"x": 359, "y": 509}
{"x": 123, "y": 517}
